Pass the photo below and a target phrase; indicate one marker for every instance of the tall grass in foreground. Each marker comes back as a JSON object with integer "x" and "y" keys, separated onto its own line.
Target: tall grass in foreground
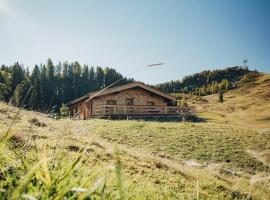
{"x": 28, "y": 171}
{"x": 46, "y": 173}
{"x": 63, "y": 165}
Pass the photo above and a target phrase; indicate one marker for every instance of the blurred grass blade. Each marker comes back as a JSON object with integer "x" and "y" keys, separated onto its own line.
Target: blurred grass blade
{"x": 118, "y": 170}
{"x": 98, "y": 184}
{"x": 16, "y": 194}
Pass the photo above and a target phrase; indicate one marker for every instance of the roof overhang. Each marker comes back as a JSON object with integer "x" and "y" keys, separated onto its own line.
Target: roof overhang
{"x": 123, "y": 87}
{"x": 78, "y": 100}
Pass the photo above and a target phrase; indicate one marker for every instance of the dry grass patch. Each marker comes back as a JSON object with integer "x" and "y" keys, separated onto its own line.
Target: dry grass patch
{"x": 69, "y": 160}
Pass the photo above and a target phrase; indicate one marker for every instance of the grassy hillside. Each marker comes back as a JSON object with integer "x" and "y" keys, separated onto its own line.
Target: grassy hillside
{"x": 247, "y": 106}
{"x": 205, "y": 142}
{"x": 42, "y": 158}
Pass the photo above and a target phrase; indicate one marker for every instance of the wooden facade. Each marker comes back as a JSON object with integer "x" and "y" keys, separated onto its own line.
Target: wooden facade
{"x": 134, "y": 99}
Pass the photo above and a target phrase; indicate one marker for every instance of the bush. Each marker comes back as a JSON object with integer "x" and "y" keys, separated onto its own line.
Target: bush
{"x": 64, "y": 111}
{"x": 220, "y": 96}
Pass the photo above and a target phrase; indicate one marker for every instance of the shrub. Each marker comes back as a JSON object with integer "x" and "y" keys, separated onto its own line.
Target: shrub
{"x": 220, "y": 96}
{"x": 64, "y": 111}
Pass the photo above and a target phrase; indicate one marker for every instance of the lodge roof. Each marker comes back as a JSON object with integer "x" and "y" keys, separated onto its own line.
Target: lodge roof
{"x": 120, "y": 88}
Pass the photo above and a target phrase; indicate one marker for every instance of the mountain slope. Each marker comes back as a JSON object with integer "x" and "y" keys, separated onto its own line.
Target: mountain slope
{"x": 207, "y": 82}
{"x": 248, "y": 105}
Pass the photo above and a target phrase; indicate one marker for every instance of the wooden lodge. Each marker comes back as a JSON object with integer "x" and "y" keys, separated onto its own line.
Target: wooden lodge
{"x": 131, "y": 100}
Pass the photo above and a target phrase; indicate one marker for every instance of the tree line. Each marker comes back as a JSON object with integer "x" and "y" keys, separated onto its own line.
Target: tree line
{"x": 49, "y": 85}
{"x": 208, "y": 82}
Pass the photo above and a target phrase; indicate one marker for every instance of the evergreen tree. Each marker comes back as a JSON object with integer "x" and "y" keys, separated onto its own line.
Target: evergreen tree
{"x": 92, "y": 81}
{"x": 216, "y": 87}
{"x": 194, "y": 82}
{"x": 220, "y": 96}
{"x": 111, "y": 76}
{"x": 77, "y": 80}
{"x": 85, "y": 84}
{"x": 17, "y": 76}
{"x": 1, "y": 78}
{"x": 64, "y": 111}
{"x": 58, "y": 70}
{"x": 65, "y": 70}
{"x": 2, "y": 91}
{"x": 183, "y": 102}
{"x": 227, "y": 85}
{"x": 69, "y": 84}
{"x": 100, "y": 79}
{"x": 65, "y": 84}
{"x": 50, "y": 70}
{"x": 20, "y": 94}
{"x": 27, "y": 73}
{"x": 53, "y": 85}
{"x": 43, "y": 86}
{"x": 35, "y": 94}
{"x": 204, "y": 90}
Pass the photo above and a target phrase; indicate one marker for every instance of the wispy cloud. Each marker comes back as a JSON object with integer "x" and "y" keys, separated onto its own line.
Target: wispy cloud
{"x": 11, "y": 17}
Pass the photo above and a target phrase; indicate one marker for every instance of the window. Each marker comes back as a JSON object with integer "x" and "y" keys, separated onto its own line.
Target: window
{"x": 111, "y": 102}
{"x": 150, "y": 103}
{"x": 129, "y": 101}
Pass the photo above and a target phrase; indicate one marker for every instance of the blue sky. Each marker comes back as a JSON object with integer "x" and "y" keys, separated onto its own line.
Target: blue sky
{"x": 189, "y": 36}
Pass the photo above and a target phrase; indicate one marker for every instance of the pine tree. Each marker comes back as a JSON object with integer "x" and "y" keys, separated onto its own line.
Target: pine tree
{"x": 50, "y": 69}
{"x": 17, "y": 76}
{"x": 220, "y": 96}
{"x": 85, "y": 80}
{"x": 2, "y": 91}
{"x": 100, "y": 78}
{"x": 92, "y": 81}
{"x": 64, "y": 111}
{"x": 65, "y": 70}
{"x": 65, "y": 83}
{"x": 35, "y": 94}
{"x": 204, "y": 91}
{"x": 52, "y": 85}
{"x": 183, "y": 102}
{"x": 2, "y": 80}
{"x": 20, "y": 94}
{"x": 227, "y": 85}
{"x": 58, "y": 70}
{"x": 43, "y": 87}
{"x": 212, "y": 87}
{"x": 216, "y": 87}
{"x": 69, "y": 92}
{"x": 76, "y": 83}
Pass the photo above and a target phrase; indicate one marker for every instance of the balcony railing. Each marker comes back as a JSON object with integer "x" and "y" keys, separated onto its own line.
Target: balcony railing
{"x": 120, "y": 110}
